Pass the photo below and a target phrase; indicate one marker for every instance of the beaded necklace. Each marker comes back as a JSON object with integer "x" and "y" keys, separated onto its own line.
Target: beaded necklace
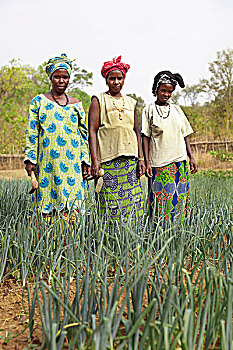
{"x": 160, "y": 113}
{"x": 120, "y": 110}
{"x": 67, "y": 100}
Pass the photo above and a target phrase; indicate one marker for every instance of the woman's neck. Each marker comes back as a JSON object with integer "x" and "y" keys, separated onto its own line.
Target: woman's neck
{"x": 159, "y": 103}
{"x": 114, "y": 95}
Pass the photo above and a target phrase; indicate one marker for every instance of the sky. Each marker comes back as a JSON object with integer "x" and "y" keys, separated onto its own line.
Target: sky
{"x": 178, "y": 35}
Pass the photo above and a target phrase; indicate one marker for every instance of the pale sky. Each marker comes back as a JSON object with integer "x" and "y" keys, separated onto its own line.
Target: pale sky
{"x": 178, "y": 35}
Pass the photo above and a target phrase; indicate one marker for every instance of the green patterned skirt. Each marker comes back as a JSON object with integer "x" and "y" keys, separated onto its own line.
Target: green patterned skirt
{"x": 169, "y": 195}
{"x": 121, "y": 195}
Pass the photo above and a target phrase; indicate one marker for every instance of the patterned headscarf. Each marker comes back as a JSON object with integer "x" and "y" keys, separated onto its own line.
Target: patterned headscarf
{"x": 166, "y": 77}
{"x": 115, "y": 64}
{"x": 60, "y": 62}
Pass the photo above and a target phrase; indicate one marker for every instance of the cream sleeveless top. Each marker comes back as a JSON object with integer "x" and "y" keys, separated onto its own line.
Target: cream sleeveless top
{"x": 116, "y": 137}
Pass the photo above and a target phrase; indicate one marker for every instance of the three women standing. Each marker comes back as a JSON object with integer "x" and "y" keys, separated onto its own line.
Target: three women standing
{"x": 56, "y": 142}
{"x": 56, "y": 145}
{"x": 165, "y": 131}
{"x": 115, "y": 145}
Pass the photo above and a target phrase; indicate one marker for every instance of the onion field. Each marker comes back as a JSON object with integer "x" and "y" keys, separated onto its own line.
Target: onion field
{"x": 89, "y": 285}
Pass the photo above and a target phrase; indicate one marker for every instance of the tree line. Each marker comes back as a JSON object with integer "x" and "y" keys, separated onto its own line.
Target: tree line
{"x": 18, "y": 85}
{"x": 208, "y": 104}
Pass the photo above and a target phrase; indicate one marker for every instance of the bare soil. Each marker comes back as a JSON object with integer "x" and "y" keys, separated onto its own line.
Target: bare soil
{"x": 13, "y": 174}
{"x": 14, "y": 317}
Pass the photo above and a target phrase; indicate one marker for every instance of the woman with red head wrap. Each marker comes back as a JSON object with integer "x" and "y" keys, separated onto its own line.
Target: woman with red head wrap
{"x": 115, "y": 146}
{"x": 115, "y": 64}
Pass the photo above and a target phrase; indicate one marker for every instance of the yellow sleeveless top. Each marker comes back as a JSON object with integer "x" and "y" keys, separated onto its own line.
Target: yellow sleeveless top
{"x": 116, "y": 137}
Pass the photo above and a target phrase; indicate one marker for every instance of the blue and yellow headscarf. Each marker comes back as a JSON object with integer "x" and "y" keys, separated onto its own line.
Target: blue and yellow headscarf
{"x": 61, "y": 62}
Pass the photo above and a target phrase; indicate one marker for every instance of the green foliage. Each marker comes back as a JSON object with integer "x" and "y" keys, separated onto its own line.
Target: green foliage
{"x": 81, "y": 96}
{"x": 191, "y": 93}
{"x": 18, "y": 85}
{"x": 214, "y": 174}
{"x": 80, "y": 77}
{"x": 219, "y": 87}
{"x": 223, "y": 156}
{"x": 139, "y": 105}
{"x": 42, "y": 80}
{"x": 98, "y": 286}
{"x": 214, "y": 118}
{"x": 175, "y": 97}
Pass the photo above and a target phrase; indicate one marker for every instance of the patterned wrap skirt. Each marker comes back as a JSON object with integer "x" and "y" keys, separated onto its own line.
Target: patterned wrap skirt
{"x": 121, "y": 195}
{"x": 169, "y": 195}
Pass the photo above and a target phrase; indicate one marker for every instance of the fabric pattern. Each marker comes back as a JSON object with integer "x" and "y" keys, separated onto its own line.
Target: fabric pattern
{"x": 169, "y": 195}
{"x": 60, "y": 62}
{"x": 165, "y": 79}
{"x": 56, "y": 140}
{"x": 115, "y": 64}
{"x": 121, "y": 193}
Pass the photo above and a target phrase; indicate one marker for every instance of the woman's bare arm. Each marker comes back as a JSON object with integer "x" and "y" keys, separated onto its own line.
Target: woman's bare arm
{"x": 141, "y": 165}
{"x": 192, "y": 163}
{"x": 145, "y": 146}
{"x": 93, "y": 126}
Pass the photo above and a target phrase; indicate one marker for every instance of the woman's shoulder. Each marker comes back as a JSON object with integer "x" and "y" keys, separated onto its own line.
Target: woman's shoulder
{"x": 99, "y": 96}
{"x": 177, "y": 109}
{"x": 175, "y": 106}
{"x": 37, "y": 99}
{"x": 149, "y": 107}
{"x": 73, "y": 100}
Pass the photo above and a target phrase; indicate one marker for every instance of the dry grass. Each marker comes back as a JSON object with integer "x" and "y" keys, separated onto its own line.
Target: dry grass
{"x": 13, "y": 174}
{"x": 207, "y": 161}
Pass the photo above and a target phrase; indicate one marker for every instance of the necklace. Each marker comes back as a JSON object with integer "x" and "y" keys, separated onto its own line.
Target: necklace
{"x": 120, "y": 110}
{"x": 67, "y": 100}
{"x": 160, "y": 113}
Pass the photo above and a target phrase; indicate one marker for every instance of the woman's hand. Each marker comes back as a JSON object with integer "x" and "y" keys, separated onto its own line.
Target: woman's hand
{"x": 148, "y": 170}
{"x": 30, "y": 167}
{"x": 140, "y": 168}
{"x": 86, "y": 170}
{"x": 193, "y": 165}
{"x": 95, "y": 167}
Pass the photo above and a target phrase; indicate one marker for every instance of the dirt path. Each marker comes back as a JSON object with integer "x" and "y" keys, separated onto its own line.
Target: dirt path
{"x": 13, "y": 174}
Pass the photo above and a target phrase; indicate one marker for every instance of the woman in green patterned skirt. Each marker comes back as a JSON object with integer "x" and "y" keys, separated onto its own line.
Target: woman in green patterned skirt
{"x": 115, "y": 146}
{"x": 165, "y": 130}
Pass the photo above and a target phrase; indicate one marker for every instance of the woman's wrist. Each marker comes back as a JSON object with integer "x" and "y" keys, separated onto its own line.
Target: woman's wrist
{"x": 94, "y": 160}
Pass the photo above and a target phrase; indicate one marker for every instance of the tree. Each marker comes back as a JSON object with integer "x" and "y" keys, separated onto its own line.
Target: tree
{"x": 83, "y": 97}
{"x": 81, "y": 77}
{"x": 219, "y": 87}
{"x": 191, "y": 93}
{"x": 139, "y": 105}
{"x": 18, "y": 85}
{"x": 175, "y": 97}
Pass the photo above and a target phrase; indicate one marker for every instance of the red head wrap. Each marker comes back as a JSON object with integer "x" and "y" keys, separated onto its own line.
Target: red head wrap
{"x": 115, "y": 64}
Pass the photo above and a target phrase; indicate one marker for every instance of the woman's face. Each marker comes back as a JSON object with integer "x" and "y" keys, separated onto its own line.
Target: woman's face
{"x": 164, "y": 93}
{"x": 60, "y": 80}
{"x": 115, "y": 82}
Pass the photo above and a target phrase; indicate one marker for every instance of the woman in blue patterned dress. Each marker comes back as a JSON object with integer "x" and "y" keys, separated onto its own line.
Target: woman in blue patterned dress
{"x": 56, "y": 143}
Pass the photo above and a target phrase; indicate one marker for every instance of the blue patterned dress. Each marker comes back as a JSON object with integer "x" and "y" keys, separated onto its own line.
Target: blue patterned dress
{"x": 56, "y": 140}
